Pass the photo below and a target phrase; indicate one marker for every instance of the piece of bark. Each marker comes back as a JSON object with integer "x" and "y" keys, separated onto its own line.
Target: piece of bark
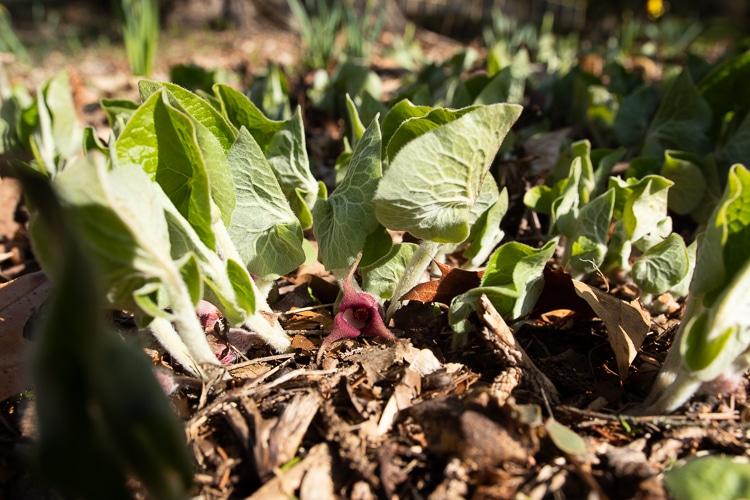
{"x": 509, "y": 352}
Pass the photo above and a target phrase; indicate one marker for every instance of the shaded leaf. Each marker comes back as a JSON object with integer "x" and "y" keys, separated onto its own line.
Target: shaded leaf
{"x": 265, "y": 231}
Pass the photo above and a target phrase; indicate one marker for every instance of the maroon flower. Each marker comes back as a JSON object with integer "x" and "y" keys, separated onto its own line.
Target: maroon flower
{"x": 208, "y": 314}
{"x": 359, "y": 314}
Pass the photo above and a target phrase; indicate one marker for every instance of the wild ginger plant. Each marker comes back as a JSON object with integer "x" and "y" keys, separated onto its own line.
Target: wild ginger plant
{"x": 605, "y": 221}
{"x": 712, "y": 344}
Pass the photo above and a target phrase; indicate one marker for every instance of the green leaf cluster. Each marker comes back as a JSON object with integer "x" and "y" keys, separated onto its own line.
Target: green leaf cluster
{"x": 601, "y": 231}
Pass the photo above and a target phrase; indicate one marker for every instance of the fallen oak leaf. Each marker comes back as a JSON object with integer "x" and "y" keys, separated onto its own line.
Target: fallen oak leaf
{"x": 19, "y": 301}
{"x": 627, "y": 324}
{"x": 451, "y": 283}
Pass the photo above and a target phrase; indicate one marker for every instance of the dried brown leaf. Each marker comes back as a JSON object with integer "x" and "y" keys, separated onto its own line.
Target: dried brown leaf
{"x": 19, "y": 300}
{"x": 452, "y": 282}
{"x": 626, "y": 323}
{"x": 559, "y": 293}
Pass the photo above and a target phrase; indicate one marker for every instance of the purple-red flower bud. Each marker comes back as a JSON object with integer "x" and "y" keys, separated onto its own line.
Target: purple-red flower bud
{"x": 359, "y": 314}
{"x": 207, "y": 313}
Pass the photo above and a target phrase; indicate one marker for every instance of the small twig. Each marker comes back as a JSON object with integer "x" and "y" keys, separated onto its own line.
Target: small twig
{"x": 598, "y": 272}
{"x": 658, "y": 420}
{"x": 254, "y": 361}
{"x": 303, "y": 309}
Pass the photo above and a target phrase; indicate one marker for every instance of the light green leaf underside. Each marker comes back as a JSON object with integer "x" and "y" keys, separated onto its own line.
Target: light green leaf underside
{"x": 264, "y": 230}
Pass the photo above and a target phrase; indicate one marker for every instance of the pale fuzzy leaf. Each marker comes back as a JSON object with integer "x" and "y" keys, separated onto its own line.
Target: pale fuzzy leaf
{"x": 724, "y": 247}
{"x": 715, "y": 477}
{"x": 264, "y": 229}
{"x": 434, "y": 180}
{"x": 662, "y": 266}
{"x": 170, "y": 153}
{"x": 625, "y": 322}
{"x": 343, "y": 221}
{"x": 565, "y": 439}
{"x": 120, "y": 214}
{"x": 380, "y": 278}
{"x": 716, "y": 340}
{"x": 287, "y": 155}
{"x": 646, "y": 206}
{"x": 66, "y": 130}
{"x": 20, "y": 299}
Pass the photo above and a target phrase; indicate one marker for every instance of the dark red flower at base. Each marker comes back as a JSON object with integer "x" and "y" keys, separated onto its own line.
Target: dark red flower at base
{"x": 359, "y": 314}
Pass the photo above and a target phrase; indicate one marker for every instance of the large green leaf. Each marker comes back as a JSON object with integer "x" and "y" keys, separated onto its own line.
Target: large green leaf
{"x": 195, "y": 106}
{"x": 433, "y": 182}
{"x": 283, "y": 143}
{"x": 264, "y": 229}
{"x": 214, "y": 135}
{"x": 121, "y": 216}
{"x": 715, "y": 477}
{"x": 162, "y": 141}
{"x": 724, "y": 248}
{"x": 343, "y": 221}
{"x": 681, "y": 122}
